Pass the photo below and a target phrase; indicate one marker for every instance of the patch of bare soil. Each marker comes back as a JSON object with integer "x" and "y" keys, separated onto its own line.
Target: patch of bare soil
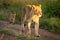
{"x": 47, "y": 35}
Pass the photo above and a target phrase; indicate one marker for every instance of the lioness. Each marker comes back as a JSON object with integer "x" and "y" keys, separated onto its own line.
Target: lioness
{"x": 31, "y": 13}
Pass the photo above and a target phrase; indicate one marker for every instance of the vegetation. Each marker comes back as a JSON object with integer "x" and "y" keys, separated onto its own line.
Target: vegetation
{"x": 50, "y": 8}
{"x": 50, "y": 24}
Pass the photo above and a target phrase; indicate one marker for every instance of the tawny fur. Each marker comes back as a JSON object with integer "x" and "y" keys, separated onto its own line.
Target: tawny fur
{"x": 31, "y": 13}
{"x": 12, "y": 17}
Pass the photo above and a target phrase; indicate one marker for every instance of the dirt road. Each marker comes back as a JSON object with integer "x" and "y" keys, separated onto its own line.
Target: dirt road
{"x": 47, "y": 35}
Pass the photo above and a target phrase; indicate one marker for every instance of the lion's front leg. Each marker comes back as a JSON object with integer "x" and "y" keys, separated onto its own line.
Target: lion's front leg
{"x": 28, "y": 28}
{"x": 36, "y": 20}
{"x": 37, "y": 29}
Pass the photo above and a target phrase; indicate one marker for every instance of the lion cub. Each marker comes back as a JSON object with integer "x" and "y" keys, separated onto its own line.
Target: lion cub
{"x": 12, "y": 17}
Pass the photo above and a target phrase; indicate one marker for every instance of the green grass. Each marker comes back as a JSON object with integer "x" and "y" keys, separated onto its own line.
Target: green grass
{"x": 18, "y": 34}
{"x": 9, "y": 32}
{"x": 50, "y": 24}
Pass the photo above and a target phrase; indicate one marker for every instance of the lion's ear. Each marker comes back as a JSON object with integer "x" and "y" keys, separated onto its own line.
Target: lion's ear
{"x": 33, "y": 6}
{"x": 40, "y": 5}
